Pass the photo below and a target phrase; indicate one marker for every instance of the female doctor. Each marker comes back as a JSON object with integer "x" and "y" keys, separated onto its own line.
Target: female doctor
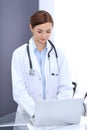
{"x": 39, "y": 70}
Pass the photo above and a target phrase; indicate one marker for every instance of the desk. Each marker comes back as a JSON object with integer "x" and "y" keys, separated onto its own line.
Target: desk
{"x": 8, "y": 122}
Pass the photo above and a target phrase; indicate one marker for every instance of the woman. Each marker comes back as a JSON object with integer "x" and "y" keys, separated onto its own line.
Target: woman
{"x": 48, "y": 76}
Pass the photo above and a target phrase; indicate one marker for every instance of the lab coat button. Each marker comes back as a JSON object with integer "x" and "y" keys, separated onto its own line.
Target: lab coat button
{"x": 39, "y": 78}
{"x": 39, "y": 95}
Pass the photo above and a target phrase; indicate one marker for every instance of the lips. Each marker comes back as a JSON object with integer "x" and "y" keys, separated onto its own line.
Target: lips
{"x": 43, "y": 40}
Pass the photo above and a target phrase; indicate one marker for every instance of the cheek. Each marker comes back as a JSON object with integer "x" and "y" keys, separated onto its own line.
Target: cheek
{"x": 35, "y": 35}
{"x": 48, "y": 35}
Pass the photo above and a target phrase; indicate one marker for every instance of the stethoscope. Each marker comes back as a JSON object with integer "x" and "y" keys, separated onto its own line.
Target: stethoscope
{"x": 31, "y": 71}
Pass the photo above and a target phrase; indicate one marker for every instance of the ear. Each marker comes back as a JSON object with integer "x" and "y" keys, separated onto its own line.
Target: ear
{"x": 31, "y": 28}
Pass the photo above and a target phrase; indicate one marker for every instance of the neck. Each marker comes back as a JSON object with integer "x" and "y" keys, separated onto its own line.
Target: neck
{"x": 40, "y": 46}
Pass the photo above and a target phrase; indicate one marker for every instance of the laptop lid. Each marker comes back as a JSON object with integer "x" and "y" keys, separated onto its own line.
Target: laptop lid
{"x": 58, "y": 112}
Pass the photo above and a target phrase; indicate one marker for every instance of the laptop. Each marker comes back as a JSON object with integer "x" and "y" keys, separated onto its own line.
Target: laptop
{"x": 58, "y": 112}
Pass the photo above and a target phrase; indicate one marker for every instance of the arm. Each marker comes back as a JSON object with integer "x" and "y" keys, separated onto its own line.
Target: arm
{"x": 20, "y": 94}
{"x": 65, "y": 84}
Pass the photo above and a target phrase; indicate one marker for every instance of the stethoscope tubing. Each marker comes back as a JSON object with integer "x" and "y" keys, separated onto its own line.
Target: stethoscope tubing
{"x": 30, "y": 62}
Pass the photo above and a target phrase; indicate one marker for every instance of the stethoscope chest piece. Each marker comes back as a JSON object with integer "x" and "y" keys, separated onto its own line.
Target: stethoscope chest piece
{"x": 31, "y": 72}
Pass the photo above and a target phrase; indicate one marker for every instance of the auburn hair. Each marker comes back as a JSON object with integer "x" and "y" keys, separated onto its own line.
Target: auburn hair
{"x": 40, "y": 17}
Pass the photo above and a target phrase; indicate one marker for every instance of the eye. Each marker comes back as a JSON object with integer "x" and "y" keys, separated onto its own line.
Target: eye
{"x": 48, "y": 31}
{"x": 39, "y": 31}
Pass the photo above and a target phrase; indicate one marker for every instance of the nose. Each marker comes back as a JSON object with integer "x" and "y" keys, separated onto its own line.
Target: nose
{"x": 44, "y": 35}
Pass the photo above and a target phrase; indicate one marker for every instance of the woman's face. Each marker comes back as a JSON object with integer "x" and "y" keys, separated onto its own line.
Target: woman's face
{"x": 42, "y": 32}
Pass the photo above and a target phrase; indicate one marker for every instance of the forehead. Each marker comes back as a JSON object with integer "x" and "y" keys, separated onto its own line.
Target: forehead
{"x": 44, "y": 26}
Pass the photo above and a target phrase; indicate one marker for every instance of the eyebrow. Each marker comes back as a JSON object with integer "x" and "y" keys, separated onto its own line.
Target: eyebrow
{"x": 46, "y": 30}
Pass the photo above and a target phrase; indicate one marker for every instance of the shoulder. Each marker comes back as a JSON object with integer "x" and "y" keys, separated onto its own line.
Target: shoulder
{"x": 60, "y": 52}
{"x": 20, "y": 50}
{"x": 20, "y": 53}
{"x": 23, "y": 48}
{"x": 61, "y": 56}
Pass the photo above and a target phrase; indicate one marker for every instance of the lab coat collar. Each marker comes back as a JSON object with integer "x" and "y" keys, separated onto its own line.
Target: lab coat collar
{"x": 33, "y": 46}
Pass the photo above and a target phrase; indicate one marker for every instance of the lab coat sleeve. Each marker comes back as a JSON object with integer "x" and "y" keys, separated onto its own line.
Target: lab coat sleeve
{"x": 20, "y": 94}
{"x": 65, "y": 89}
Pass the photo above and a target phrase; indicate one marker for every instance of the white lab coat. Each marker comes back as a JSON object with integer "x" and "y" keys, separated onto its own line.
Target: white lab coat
{"x": 27, "y": 89}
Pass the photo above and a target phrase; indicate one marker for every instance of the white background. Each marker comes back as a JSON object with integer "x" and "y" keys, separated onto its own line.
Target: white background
{"x": 70, "y": 34}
